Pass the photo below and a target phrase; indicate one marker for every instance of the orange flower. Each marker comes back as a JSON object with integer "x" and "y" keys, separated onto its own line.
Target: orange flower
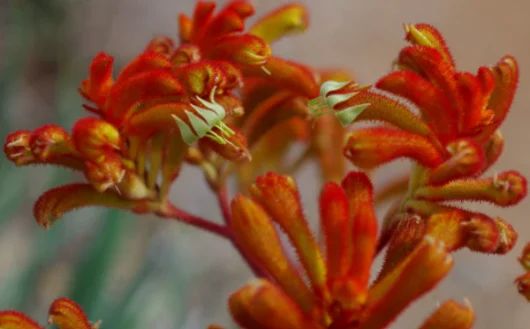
{"x": 162, "y": 104}
{"x": 337, "y": 293}
{"x": 453, "y": 141}
{"x": 148, "y": 117}
{"x": 64, "y": 313}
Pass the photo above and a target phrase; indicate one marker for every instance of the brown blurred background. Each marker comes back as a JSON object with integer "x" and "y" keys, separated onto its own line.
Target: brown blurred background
{"x": 144, "y": 272}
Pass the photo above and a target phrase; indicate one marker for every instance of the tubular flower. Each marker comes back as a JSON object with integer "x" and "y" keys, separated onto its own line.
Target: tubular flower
{"x": 169, "y": 105}
{"x": 453, "y": 139}
{"x": 64, "y": 313}
{"x": 146, "y": 120}
{"x": 337, "y": 293}
{"x": 275, "y": 90}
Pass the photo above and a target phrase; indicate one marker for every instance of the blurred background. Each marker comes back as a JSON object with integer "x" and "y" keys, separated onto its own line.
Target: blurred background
{"x": 141, "y": 272}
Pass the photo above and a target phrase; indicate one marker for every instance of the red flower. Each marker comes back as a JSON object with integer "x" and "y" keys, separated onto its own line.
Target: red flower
{"x": 338, "y": 294}
{"x": 453, "y": 141}
{"x": 162, "y": 104}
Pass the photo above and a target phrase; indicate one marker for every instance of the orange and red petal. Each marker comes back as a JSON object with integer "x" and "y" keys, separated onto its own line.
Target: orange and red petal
{"x": 138, "y": 90}
{"x": 430, "y": 100}
{"x": 430, "y": 63}
{"x": 241, "y": 49}
{"x": 388, "y": 109}
{"x": 506, "y": 74}
{"x": 280, "y": 197}
{"x": 505, "y": 189}
{"x": 420, "y": 272}
{"x": 147, "y": 61}
{"x": 54, "y": 203}
{"x": 261, "y": 304}
{"x": 336, "y": 226}
{"x": 466, "y": 159}
{"x": 255, "y": 233}
{"x": 405, "y": 236}
{"x": 67, "y": 314}
{"x": 422, "y": 34}
{"x": 17, "y": 320}
{"x": 99, "y": 82}
{"x": 287, "y": 75}
{"x": 364, "y": 231}
{"x": 288, "y": 19}
{"x": 449, "y": 227}
{"x": 371, "y": 147}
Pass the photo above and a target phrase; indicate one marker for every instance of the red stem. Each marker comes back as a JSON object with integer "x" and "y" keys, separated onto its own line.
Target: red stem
{"x": 172, "y": 212}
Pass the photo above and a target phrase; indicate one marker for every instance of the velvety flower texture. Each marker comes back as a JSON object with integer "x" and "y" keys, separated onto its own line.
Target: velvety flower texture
{"x": 170, "y": 105}
{"x": 447, "y": 122}
{"x": 219, "y": 99}
{"x": 330, "y": 287}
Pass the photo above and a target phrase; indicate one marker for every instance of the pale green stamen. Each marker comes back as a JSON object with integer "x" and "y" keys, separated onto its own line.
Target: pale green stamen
{"x": 203, "y": 121}
{"x": 324, "y": 104}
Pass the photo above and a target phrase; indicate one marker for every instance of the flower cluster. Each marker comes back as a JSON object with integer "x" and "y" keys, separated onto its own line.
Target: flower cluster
{"x": 447, "y": 122}
{"x": 337, "y": 294}
{"x": 220, "y": 100}
{"x": 169, "y": 105}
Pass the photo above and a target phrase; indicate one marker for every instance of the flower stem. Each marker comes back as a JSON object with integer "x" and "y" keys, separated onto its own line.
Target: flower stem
{"x": 173, "y": 212}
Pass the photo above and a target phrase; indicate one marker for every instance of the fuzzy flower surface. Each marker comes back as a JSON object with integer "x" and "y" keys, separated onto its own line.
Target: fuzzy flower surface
{"x": 337, "y": 292}
{"x": 175, "y": 103}
{"x": 447, "y": 121}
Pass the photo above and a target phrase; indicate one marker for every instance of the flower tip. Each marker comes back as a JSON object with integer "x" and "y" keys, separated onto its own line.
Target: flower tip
{"x": 67, "y": 314}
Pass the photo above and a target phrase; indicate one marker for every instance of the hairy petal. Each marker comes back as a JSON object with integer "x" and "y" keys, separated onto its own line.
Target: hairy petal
{"x": 99, "y": 82}
{"x": 147, "y": 61}
{"x": 506, "y": 74}
{"x": 363, "y": 236}
{"x": 422, "y": 34}
{"x": 337, "y": 226}
{"x": 67, "y": 314}
{"x": 288, "y": 19}
{"x": 430, "y": 63}
{"x": 505, "y": 189}
{"x": 257, "y": 236}
{"x": 260, "y": 304}
{"x": 242, "y": 49}
{"x": 280, "y": 197}
{"x": 139, "y": 89}
{"x": 54, "y": 203}
{"x": 483, "y": 233}
{"x": 17, "y": 320}
{"x": 432, "y": 103}
{"x": 371, "y": 147}
{"x": 448, "y": 227}
{"x": 466, "y": 160}
{"x": 387, "y": 109}
{"x": 406, "y": 234}
{"x": 286, "y": 74}
{"x": 417, "y": 274}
